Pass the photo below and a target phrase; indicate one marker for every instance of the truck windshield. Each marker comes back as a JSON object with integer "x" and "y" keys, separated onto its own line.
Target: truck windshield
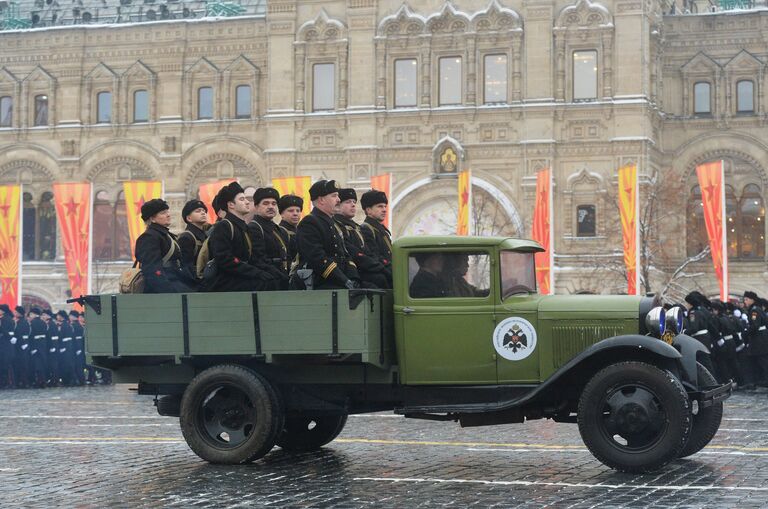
{"x": 518, "y": 273}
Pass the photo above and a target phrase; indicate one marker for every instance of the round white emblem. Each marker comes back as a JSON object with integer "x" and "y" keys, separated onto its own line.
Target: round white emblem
{"x": 514, "y": 338}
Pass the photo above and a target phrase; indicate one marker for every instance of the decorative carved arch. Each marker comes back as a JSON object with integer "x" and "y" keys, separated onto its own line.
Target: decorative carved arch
{"x": 584, "y": 176}
{"x": 496, "y": 18}
{"x": 403, "y": 22}
{"x": 448, "y": 20}
{"x": 322, "y": 28}
{"x": 724, "y": 153}
{"x": 16, "y": 169}
{"x": 139, "y": 70}
{"x": 208, "y": 168}
{"x": 117, "y": 169}
{"x": 40, "y": 74}
{"x": 440, "y": 156}
{"x": 584, "y": 14}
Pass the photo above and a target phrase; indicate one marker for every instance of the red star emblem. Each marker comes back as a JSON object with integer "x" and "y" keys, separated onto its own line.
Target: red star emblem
{"x": 4, "y": 254}
{"x": 139, "y": 204}
{"x": 4, "y": 209}
{"x": 465, "y": 196}
{"x": 72, "y": 207}
{"x": 76, "y": 280}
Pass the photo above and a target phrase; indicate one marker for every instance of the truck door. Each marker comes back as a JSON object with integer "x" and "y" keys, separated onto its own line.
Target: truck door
{"x": 516, "y": 332}
{"x": 447, "y": 319}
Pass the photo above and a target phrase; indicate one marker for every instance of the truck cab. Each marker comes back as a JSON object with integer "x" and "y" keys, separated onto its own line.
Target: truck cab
{"x": 463, "y": 336}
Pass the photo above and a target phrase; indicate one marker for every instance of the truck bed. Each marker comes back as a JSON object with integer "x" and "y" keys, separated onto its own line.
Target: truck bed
{"x": 326, "y": 325}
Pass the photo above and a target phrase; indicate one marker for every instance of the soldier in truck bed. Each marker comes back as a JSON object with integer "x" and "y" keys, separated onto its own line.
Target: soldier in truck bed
{"x": 370, "y": 268}
{"x": 195, "y": 215}
{"x": 267, "y": 234}
{"x": 320, "y": 244}
{"x": 377, "y": 236}
{"x": 290, "y": 207}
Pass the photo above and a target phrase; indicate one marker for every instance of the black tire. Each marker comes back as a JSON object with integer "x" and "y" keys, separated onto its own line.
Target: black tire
{"x": 634, "y": 417}
{"x": 230, "y": 415}
{"x": 304, "y": 433}
{"x": 706, "y": 421}
{"x": 169, "y": 406}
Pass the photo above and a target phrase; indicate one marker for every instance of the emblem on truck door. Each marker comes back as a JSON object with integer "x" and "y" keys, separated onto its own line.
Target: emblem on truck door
{"x": 514, "y": 338}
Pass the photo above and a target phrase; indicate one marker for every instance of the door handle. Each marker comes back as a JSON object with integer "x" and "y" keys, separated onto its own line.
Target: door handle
{"x": 407, "y": 310}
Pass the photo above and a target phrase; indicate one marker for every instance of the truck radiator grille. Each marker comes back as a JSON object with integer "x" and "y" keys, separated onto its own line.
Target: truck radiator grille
{"x": 570, "y": 340}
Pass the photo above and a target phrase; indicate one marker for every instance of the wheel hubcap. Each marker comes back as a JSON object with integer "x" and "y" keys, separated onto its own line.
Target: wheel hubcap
{"x": 633, "y": 418}
{"x": 226, "y": 416}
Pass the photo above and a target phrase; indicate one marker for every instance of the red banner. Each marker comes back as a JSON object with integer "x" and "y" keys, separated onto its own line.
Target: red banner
{"x": 136, "y": 193}
{"x": 465, "y": 203}
{"x": 628, "y": 208}
{"x": 711, "y": 181}
{"x": 73, "y": 211}
{"x": 542, "y": 229}
{"x": 298, "y": 186}
{"x": 384, "y": 183}
{"x": 10, "y": 245}
{"x": 207, "y": 192}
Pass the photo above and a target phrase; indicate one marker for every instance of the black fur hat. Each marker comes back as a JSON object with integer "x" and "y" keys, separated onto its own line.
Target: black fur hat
{"x": 290, "y": 200}
{"x": 152, "y": 207}
{"x": 373, "y": 197}
{"x": 264, "y": 193}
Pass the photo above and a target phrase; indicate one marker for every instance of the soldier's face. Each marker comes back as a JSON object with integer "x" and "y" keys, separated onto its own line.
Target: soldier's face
{"x": 748, "y": 302}
{"x": 377, "y": 212}
{"x": 267, "y": 208}
{"x": 240, "y": 206}
{"x": 163, "y": 218}
{"x": 328, "y": 203}
{"x": 348, "y": 208}
{"x": 81, "y": 319}
{"x": 292, "y": 215}
{"x": 198, "y": 216}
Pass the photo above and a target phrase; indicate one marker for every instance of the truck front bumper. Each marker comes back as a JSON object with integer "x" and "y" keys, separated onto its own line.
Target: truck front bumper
{"x": 708, "y": 396}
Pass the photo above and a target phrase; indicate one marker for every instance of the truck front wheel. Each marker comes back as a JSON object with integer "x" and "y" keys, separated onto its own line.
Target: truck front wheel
{"x": 230, "y": 415}
{"x": 634, "y": 417}
{"x": 302, "y": 433}
{"x": 707, "y": 420}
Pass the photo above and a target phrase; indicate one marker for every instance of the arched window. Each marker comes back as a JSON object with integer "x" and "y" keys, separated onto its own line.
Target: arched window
{"x": 110, "y": 229}
{"x": 701, "y": 98}
{"x": 745, "y": 96}
{"x": 29, "y": 223}
{"x": 6, "y": 111}
{"x": 46, "y": 228}
{"x": 696, "y": 231}
{"x": 752, "y": 223}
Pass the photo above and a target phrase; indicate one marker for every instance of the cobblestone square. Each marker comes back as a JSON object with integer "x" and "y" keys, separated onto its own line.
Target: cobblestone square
{"x": 104, "y": 446}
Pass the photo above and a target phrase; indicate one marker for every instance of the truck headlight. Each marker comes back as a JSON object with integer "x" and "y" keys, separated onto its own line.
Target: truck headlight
{"x": 674, "y": 319}
{"x": 655, "y": 321}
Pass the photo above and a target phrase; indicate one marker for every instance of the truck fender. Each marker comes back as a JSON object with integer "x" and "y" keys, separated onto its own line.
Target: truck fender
{"x": 688, "y": 348}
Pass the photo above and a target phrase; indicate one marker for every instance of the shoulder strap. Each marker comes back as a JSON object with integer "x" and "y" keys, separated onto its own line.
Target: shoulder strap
{"x": 169, "y": 254}
{"x": 247, "y": 237}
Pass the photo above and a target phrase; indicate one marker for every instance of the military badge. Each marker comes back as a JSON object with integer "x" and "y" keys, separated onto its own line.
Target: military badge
{"x": 514, "y": 338}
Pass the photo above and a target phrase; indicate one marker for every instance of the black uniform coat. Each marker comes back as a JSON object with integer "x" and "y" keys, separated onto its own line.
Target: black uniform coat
{"x": 288, "y": 233}
{"x": 190, "y": 241}
{"x": 757, "y": 339}
{"x": 379, "y": 241}
{"x": 700, "y": 320}
{"x": 79, "y": 346}
{"x": 426, "y": 285}
{"x": 321, "y": 248}
{"x": 7, "y": 347}
{"x": 229, "y": 246}
{"x": 21, "y": 361}
{"x": 357, "y": 247}
{"x": 159, "y": 277}
{"x": 38, "y": 349}
{"x": 728, "y": 348}
{"x": 266, "y": 233}
{"x": 66, "y": 352}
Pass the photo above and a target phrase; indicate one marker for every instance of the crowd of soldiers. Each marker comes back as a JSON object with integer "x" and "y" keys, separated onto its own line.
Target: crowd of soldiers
{"x": 247, "y": 250}
{"x": 41, "y": 349}
{"x": 737, "y": 337}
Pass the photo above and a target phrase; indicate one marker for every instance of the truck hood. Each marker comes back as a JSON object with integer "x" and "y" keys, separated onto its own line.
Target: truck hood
{"x": 592, "y": 304}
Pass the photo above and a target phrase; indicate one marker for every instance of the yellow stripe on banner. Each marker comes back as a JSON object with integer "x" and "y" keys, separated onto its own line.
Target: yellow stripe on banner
{"x": 465, "y": 197}
{"x": 136, "y": 193}
{"x": 298, "y": 186}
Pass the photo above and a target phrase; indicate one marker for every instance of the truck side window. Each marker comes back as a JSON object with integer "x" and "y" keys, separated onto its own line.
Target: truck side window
{"x": 518, "y": 273}
{"x": 434, "y": 274}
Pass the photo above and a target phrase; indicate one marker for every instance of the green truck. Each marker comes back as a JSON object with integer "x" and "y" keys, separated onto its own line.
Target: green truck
{"x": 463, "y": 337}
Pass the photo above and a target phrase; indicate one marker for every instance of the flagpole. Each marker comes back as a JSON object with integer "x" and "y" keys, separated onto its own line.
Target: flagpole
{"x": 21, "y": 244}
{"x": 470, "y": 222}
{"x": 550, "y": 213}
{"x": 637, "y": 231}
{"x": 90, "y": 241}
{"x": 724, "y": 241}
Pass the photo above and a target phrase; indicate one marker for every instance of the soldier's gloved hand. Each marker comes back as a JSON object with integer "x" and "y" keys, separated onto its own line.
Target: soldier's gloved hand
{"x": 13, "y": 341}
{"x": 351, "y": 284}
{"x": 720, "y": 342}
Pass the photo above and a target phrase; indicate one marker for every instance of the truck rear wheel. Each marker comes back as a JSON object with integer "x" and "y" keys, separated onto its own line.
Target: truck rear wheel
{"x": 707, "y": 420}
{"x": 634, "y": 417}
{"x": 230, "y": 415}
{"x": 302, "y": 433}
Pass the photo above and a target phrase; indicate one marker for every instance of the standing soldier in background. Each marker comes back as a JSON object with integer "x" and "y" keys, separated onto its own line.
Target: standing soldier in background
{"x": 702, "y": 326}
{"x": 267, "y": 234}
{"x": 38, "y": 348}
{"x": 370, "y": 268}
{"x": 79, "y": 346}
{"x": 195, "y": 215}
{"x": 66, "y": 349}
{"x": 52, "y": 348}
{"x": 7, "y": 347}
{"x": 21, "y": 360}
{"x": 725, "y": 347}
{"x": 321, "y": 246}
{"x": 290, "y": 207}
{"x": 757, "y": 337}
{"x": 377, "y": 236}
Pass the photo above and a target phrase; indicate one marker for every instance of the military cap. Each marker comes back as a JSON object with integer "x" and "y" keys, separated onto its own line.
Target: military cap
{"x": 35, "y": 310}
{"x": 373, "y": 197}
{"x": 322, "y": 188}
{"x": 62, "y": 314}
{"x": 191, "y": 206}
{"x": 74, "y": 313}
{"x": 718, "y": 305}
{"x": 696, "y": 298}
{"x": 264, "y": 193}
{"x": 19, "y": 309}
{"x": 47, "y": 312}
{"x": 152, "y": 207}
{"x": 347, "y": 194}
{"x": 751, "y": 295}
{"x": 5, "y": 309}
{"x": 289, "y": 200}
{"x": 228, "y": 193}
